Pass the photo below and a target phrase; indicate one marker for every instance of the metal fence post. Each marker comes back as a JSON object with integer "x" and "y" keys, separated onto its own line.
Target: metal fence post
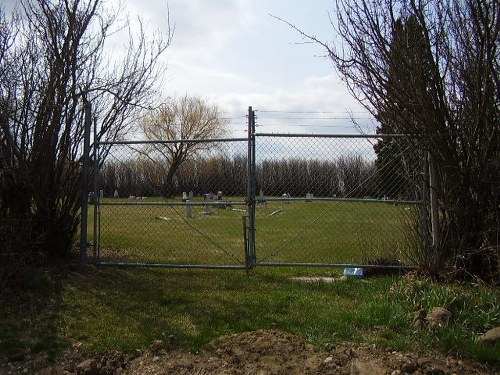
{"x": 424, "y": 207}
{"x": 95, "y": 169}
{"x": 85, "y": 188}
{"x": 434, "y": 203}
{"x": 250, "y": 255}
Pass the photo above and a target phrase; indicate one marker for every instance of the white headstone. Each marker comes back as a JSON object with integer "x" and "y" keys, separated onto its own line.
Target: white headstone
{"x": 208, "y": 207}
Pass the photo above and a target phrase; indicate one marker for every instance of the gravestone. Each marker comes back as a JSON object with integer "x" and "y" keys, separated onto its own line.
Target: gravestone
{"x": 208, "y": 206}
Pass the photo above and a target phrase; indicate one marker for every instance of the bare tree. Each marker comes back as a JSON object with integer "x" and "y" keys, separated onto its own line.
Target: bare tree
{"x": 181, "y": 119}
{"x": 430, "y": 70}
{"x": 56, "y": 61}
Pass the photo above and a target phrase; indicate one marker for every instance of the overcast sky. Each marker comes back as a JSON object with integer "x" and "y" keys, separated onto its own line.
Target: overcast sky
{"x": 235, "y": 54}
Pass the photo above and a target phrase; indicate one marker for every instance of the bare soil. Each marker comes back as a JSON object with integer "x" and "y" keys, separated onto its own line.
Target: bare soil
{"x": 262, "y": 352}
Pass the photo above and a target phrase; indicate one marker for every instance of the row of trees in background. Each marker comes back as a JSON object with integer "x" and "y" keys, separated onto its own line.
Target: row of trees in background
{"x": 348, "y": 176}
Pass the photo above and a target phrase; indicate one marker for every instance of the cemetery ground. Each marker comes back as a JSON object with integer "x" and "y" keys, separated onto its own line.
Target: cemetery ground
{"x": 67, "y": 318}
{"x": 286, "y": 231}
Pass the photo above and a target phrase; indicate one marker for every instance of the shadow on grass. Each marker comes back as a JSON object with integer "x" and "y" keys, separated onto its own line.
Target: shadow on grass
{"x": 125, "y": 309}
{"x": 131, "y": 308}
{"x": 30, "y": 313}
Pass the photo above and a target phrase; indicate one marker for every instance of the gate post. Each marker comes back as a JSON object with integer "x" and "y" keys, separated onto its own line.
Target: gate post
{"x": 435, "y": 226}
{"x": 95, "y": 169}
{"x": 250, "y": 254}
{"x": 85, "y": 187}
{"x": 424, "y": 206}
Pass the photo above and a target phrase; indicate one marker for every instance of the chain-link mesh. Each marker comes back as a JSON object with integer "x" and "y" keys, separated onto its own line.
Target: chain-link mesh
{"x": 191, "y": 215}
{"x": 336, "y": 200}
{"x": 318, "y": 199}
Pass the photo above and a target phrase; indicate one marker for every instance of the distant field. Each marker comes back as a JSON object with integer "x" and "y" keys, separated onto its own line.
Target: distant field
{"x": 295, "y": 232}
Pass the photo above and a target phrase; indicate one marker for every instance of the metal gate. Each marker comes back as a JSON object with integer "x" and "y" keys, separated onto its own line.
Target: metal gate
{"x": 335, "y": 204}
{"x": 264, "y": 200}
{"x": 137, "y": 223}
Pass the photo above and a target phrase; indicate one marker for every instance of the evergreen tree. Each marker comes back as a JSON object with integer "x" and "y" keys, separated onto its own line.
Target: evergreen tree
{"x": 399, "y": 160}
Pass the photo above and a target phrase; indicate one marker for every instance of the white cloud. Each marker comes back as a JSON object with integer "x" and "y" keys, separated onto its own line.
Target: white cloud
{"x": 9, "y": 5}
{"x": 202, "y": 28}
{"x": 234, "y": 54}
{"x": 319, "y": 104}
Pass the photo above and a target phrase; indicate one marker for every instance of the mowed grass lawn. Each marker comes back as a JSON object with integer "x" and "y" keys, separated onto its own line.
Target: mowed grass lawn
{"x": 297, "y": 232}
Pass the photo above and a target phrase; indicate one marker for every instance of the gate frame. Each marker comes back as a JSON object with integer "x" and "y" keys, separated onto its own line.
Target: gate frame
{"x": 97, "y": 203}
{"x": 422, "y": 202}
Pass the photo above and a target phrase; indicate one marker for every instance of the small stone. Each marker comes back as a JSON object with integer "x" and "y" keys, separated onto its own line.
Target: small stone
{"x": 87, "y": 367}
{"x": 422, "y": 361}
{"x": 438, "y": 317}
{"x": 328, "y": 360}
{"x": 329, "y": 346}
{"x": 156, "y": 358}
{"x": 409, "y": 368}
{"x": 349, "y": 352}
{"x": 435, "y": 371}
{"x": 396, "y": 372}
{"x": 490, "y": 337}
{"x": 359, "y": 367}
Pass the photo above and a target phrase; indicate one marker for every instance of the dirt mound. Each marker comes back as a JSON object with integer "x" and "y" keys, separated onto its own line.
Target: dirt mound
{"x": 259, "y": 352}
{"x": 267, "y": 352}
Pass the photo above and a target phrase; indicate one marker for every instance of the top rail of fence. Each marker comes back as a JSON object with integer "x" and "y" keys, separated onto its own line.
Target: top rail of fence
{"x": 335, "y": 199}
{"x": 240, "y": 139}
{"x": 143, "y": 142}
{"x": 305, "y": 135}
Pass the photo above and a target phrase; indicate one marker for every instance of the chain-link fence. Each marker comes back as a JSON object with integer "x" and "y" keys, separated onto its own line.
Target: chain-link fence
{"x": 267, "y": 200}
{"x": 149, "y": 213}
{"x": 334, "y": 200}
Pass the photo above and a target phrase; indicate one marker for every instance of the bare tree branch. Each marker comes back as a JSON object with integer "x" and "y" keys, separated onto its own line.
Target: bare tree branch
{"x": 430, "y": 70}
{"x": 53, "y": 54}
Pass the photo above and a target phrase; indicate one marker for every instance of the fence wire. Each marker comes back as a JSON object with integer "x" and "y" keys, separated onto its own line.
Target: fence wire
{"x": 151, "y": 214}
{"x": 336, "y": 200}
{"x": 318, "y": 200}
